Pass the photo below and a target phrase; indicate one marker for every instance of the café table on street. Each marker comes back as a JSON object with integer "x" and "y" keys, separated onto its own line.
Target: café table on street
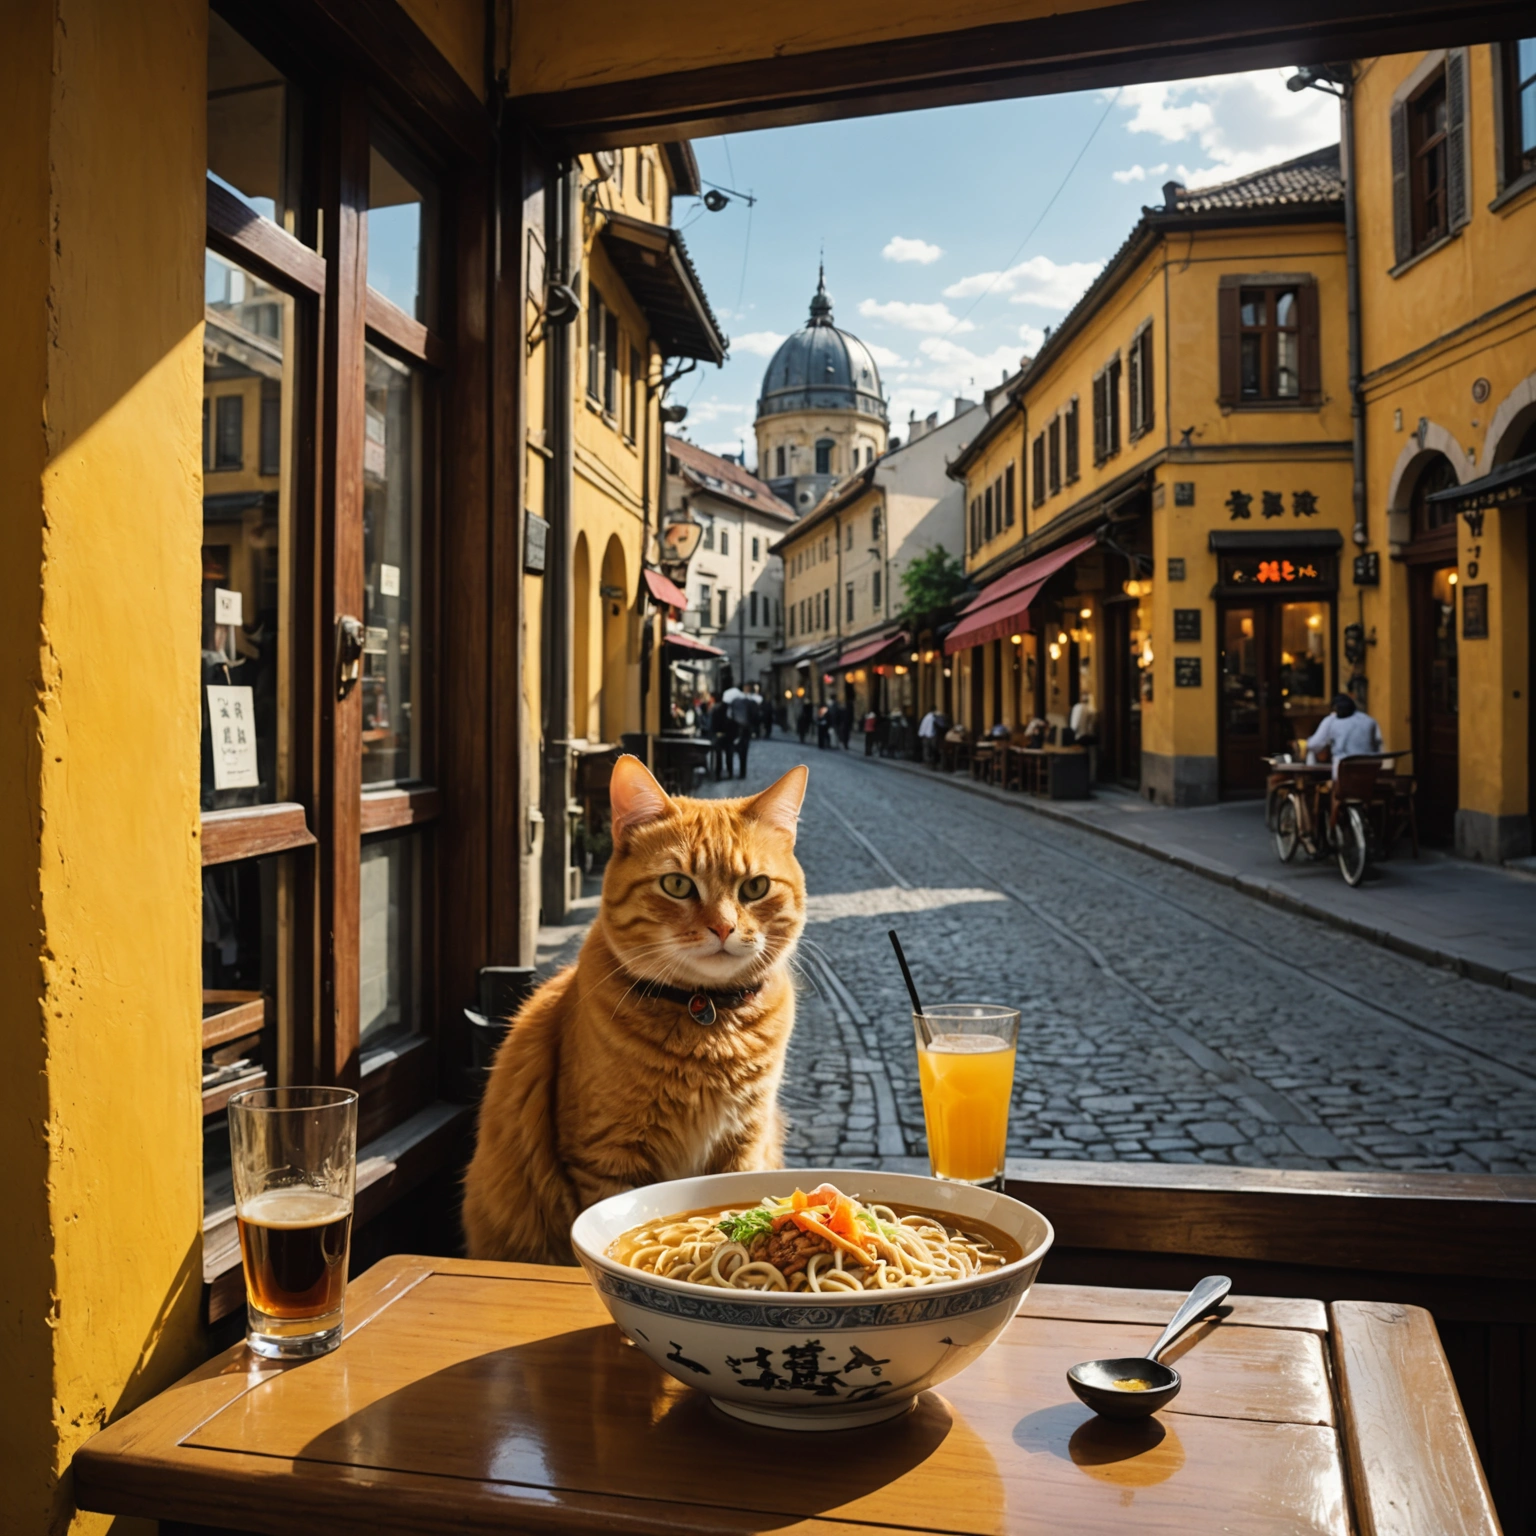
{"x": 476, "y": 1397}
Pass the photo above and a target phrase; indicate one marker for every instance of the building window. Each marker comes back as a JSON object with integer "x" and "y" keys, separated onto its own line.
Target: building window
{"x": 633, "y": 394}
{"x": 1269, "y": 344}
{"x": 752, "y": 609}
{"x": 1073, "y": 437}
{"x": 1106, "y": 412}
{"x": 725, "y": 541}
{"x": 595, "y": 332}
{"x": 778, "y": 459}
{"x": 1053, "y": 439}
{"x": 848, "y": 598}
{"x": 756, "y": 546}
{"x": 975, "y": 523}
{"x": 228, "y": 432}
{"x": 1138, "y": 383}
{"x": 708, "y": 541}
{"x": 791, "y": 621}
{"x": 1008, "y": 497}
{"x": 1429, "y": 159}
{"x": 874, "y": 525}
{"x": 849, "y": 543}
{"x": 725, "y": 606}
{"x": 271, "y": 427}
{"x": 706, "y": 601}
{"x": 869, "y": 455}
{"x": 611, "y": 363}
{"x": 643, "y": 177}
{"x": 1517, "y": 80}
{"x": 874, "y": 589}
{"x": 1037, "y": 468}
{"x": 824, "y": 456}
{"x": 986, "y": 516}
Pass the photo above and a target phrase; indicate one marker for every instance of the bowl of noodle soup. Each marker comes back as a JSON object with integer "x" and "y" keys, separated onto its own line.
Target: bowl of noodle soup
{"x": 812, "y": 1298}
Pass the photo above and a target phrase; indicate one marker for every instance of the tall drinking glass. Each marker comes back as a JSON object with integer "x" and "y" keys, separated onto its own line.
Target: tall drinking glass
{"x": 965, "y": 1059}
{"x": 294, "y": 1152}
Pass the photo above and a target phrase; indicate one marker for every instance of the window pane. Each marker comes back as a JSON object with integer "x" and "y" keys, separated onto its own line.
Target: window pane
{"x": 1254, "y": 308}
{"x": 391, "y": 543}
{"x": 252, "y": 126}
{"x": 247, "y": 511}
{"x": 1287, "y": 378}
{"x": 1252, "y": 356}
{"x": 1239, "y": 673}
{"x": 402, "y": 218}
{"x": 1285, "y": 307}
{"x": 389, "y": 938}
{"x": 1304, "y": 665}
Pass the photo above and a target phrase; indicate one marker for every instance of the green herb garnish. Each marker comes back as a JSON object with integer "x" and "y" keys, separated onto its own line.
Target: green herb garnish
{"x": 875, "y": 1226}
{"x": 742, "y": 1228}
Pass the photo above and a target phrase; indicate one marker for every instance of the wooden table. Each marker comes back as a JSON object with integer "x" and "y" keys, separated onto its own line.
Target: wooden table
{"x": 475, "y": 1397}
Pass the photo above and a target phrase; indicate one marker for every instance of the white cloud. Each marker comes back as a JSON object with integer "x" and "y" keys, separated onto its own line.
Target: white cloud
{"x": 884, "y": 356}
{"x": 1139, "y": 173}
{"x": 913, "y": 317}
{"x": 701, "y": 413}
{"x": 758, "y": 343}
{"x": 1041, "y": 281}
{"x": 1240, "y": 123}
{"x": 1032, "y": 337}
{"x": 900, "y": 248}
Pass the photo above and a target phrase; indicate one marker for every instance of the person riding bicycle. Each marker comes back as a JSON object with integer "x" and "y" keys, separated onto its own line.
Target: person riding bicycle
{"x": 1347, "y": 732}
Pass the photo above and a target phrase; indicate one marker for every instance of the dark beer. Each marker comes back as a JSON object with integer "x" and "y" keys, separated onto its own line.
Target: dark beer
{"x": 294, "y": 1243}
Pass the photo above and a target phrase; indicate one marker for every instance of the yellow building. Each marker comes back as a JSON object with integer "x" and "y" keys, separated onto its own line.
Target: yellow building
{"x": 1446, "y": 169}
{"x": 1157, "y": 525}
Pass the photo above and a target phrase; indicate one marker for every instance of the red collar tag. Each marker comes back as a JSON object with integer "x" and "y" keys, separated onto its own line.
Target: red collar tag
{"x": 701, "y": 1009}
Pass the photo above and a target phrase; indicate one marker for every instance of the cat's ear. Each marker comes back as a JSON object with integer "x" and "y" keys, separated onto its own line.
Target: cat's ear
{"x": 635, "y": 797}
{"x": 779, "y": 805}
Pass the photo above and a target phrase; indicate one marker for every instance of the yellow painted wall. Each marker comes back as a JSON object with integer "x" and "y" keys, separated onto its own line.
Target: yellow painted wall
{"x": 811, "y": 566}
{"x": 1459, "y": 314}
{"x": 595, "y": 42}
{"x": 102, "y": 139}
{"x": 1008, "y": 447}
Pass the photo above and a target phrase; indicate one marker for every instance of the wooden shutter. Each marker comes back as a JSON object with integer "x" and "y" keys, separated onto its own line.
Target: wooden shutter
{"x": 1228, "y": 298}
{"x": 1133, "y": 387}
{"x": 1144, "y": 349}
{"x": 1098, "y": 419}
{"x": 1402, "y": 198}
{"x": 1308, "y": 344}
{"x": 1457, "y": 200}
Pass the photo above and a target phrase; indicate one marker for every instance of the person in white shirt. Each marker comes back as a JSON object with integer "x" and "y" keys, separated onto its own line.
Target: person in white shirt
{"x": 928, "y": 734}
{"x": 1347, "y": 732}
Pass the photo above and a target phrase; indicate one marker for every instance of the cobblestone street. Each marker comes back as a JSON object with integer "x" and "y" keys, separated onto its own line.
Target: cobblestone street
{"x": 1165, "y": 1017}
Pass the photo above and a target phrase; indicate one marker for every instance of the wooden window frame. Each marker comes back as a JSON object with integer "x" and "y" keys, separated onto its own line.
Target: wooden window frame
{"x": 1008, "y": 494}
{"x": 1516, "y": 167}
{"x": 1053, "y": 453}
{"x": 1037, "y": 471}
{"x": 1428, "y": 148}
{"x": 1229, "y": 347}
{"x": 986, "y": 515}
{"x": 1412, "y": 238}
{"x": 1139, "y": 388}
{"x": 1072, "y": 445}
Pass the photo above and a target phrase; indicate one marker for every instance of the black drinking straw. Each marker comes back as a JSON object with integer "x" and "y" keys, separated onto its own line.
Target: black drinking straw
{"x": 906, "y": 973}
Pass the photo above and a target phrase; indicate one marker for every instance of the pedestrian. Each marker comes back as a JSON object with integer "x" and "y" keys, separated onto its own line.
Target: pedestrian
{"x": 804, "y": 720}
{"x": 744, "y": 721}
{"x": 928, "y": 735}
{"x": 722, "y": 732}
{"x": 823, "y": 728}
{"x": 765, "y": 711}
{"x": 1347, "y": 732}
{"x": 871, "y": 720}
{"x": 844, "y": 724}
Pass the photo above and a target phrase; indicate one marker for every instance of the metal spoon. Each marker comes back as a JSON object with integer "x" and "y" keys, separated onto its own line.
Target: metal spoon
{"x": 1101, "y": 1383}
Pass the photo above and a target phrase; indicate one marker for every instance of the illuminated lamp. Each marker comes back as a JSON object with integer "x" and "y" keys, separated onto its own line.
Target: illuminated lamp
{"x": 946, "y": 671}
{"x": 1061, "y": 638}
{"x": 914, "y": 656}
{"x": 1452, "y": 578}
{"x": 789, "y": 693}
{"x": 1146, "y": 653}
{"x": 901, "y": 671}
{"x": 1016, "y": 639}
{"x": 928, "y": 656}
{"x": 827, "y": 677}
{"x": 879, "y": 671}
{"x": 799, "y": 693}
{"x": 1131, "y": 588}
{"x": 1054, "y": 649}
{"x": 1085, "y": 613}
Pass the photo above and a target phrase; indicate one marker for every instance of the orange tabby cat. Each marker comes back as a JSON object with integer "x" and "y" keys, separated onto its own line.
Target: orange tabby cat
{"x": 611, "y": 1078}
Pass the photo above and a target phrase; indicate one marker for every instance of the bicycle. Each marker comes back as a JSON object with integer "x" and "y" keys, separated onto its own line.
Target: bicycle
{"x": 1348, "y": 829}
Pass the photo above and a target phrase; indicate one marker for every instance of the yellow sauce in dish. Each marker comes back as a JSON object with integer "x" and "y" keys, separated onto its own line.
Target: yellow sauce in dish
{"x": 1133, "y": 1384}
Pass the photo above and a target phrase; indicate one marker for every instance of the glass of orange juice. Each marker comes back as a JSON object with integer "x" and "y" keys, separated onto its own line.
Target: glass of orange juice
{"x": 965, "y": 1058}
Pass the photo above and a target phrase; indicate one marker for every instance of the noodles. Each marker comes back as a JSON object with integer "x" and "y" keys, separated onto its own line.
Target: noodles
{"x": 824, "y": 1243}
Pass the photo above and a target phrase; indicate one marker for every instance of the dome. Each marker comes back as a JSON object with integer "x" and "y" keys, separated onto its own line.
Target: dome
{"x": 821, "y": 368}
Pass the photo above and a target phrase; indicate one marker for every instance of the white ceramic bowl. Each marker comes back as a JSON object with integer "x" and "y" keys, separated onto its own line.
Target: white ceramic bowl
{"x": 811, "y": 1361}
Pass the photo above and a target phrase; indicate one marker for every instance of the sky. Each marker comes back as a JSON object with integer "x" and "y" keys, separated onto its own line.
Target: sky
{"x": 953, "y": 237}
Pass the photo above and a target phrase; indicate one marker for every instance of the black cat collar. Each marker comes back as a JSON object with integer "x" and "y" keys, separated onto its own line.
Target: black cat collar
{"x": 702, "y": 1005}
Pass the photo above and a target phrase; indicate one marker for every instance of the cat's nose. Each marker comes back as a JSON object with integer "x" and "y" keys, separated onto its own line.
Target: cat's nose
{"x": 722, "y": 929}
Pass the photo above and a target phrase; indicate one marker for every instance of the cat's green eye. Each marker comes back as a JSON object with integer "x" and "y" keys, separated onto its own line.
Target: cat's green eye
{"x": 679, "y": 886}
{"x": 755, "y": 888}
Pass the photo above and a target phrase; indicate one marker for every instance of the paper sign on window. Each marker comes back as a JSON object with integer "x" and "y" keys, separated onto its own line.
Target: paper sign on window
{"x": 233, "y": 727}
{"x": 227, "y": 607}
{"x": 389, "y": 580}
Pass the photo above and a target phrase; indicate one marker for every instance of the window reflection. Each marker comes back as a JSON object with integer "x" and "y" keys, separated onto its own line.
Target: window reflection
{"x": 253, "y": 137}
{"x": 247, "y": 502}
{"x": 389, "y": 969}
{"x": 391, "y": 540}
{"x": 1304, "y": 664}
{"x": 401, "y": 229}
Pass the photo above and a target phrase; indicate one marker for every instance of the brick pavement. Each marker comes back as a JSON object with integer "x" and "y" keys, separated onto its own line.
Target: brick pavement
{"x": 1165, "y": 1018}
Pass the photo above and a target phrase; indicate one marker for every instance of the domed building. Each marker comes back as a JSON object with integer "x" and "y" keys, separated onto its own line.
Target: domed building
{"x": 820, "y": 413}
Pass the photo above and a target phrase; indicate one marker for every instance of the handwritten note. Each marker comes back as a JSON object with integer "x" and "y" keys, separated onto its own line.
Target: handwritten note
{"x": 232, "y": 718}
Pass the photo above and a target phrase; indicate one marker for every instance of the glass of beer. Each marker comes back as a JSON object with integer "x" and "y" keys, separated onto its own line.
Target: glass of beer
{"x": 294, "y": 1152}
{"x": 965, "y": 1058}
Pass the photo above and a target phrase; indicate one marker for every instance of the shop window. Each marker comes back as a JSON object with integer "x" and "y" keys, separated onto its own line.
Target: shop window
{"x": 389, "y": 939}
{"x": 1515, "y": 67}
{"x": 254, "y": 128}
{"x": 402, "y": 219}
{"x": 1073, "y": 436}
{"x": 1268, "y": 343}
{"x": 1429, "y": 158}
{"x": 824, "y": 456}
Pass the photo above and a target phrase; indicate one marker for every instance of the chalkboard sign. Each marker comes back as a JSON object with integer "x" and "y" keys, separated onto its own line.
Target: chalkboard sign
{"x": 1474, "y": 612}
{"x": 1186, "y": 623}
{"x": 1183, "y": 493}
{"x": 1186, "y": 671}
{"x": 1368, "y": 569}
{"x": 1175, "y": 568}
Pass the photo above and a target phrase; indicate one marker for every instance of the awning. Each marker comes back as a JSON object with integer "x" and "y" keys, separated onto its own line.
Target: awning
{"x": 679, "y": 641}
{"x": 1512, "y": 482}
{"x": 873, "y": 650}
{"x": 1000, "y": 608}
{"x": 653, "y": 262}
{"x": 666, "y": 592}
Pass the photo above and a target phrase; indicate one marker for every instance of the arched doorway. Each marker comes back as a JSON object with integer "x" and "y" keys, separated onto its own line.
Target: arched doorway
{"x": 613, "y": 719}
{"x": 1432, "y": 581}
{"x": 581, "y": 638}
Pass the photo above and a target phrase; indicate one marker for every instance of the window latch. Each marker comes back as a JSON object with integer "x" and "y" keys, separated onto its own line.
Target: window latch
{"x": 349, "y": 654}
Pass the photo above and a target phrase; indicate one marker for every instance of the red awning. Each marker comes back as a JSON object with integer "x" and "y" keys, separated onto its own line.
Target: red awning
{"x": 667, "y": 593}
{"x": 1000, "y": 608}
{"x": 688, "y": 643}
{"x": 871, "y": 649}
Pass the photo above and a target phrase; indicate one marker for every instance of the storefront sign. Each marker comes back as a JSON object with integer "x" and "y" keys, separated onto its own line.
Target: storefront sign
{"x": 1368, "y": 569}
{"x": 1175, "y": 569}
{"x": 1474, "y": 612}
{"x": 1271, "y": 504}
{"x": 1186, "y": 671}
{"x": 535, "y": 536}
{"x": 1261, "y": 572}
{"x": 1183, "y": 493}
{"x": 1186, "y": 623}
{"x": 232, "y": 717}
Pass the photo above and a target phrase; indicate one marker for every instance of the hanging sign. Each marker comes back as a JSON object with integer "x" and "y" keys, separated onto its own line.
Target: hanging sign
{"x": 227, "y": 607}
{"x": 232, "y": 721}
